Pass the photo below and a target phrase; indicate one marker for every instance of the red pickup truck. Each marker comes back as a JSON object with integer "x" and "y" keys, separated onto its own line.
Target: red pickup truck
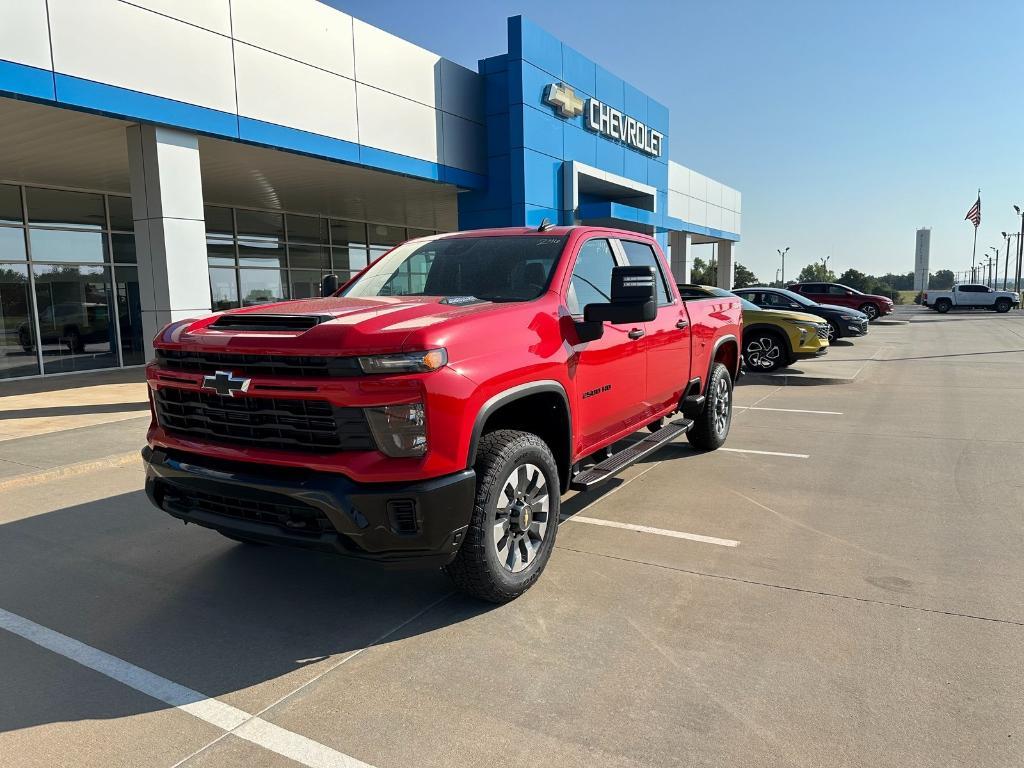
{"x": 434, "y": 410}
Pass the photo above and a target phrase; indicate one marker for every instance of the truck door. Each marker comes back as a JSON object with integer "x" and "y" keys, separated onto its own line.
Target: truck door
{"x": 668, "y": 336}
{"x": 610, "y": 372}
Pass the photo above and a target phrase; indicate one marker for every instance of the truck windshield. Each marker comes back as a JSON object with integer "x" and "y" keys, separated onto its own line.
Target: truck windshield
{"x": 504, "y": 268}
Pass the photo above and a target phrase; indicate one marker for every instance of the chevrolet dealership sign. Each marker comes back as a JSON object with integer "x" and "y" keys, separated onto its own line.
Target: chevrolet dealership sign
{"x": 604, "y": 120}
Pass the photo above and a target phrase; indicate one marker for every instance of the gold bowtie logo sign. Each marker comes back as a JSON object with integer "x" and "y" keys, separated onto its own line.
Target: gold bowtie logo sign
{"x": 563, "y": 99}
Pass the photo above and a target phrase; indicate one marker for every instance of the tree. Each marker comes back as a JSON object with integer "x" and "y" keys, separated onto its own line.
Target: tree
{"x": 743, "y": 277}
{"x": 855, "y": 279}
{"x": 816, "y": 273}
{"x": 942, "y": 280}
{"x": 701, "y": 272}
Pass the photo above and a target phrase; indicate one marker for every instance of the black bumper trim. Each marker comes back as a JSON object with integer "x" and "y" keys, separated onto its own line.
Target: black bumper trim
{"x": 314, "y": 510}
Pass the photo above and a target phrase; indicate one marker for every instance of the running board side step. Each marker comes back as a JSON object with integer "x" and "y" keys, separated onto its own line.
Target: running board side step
{"x": 615, "y": 463}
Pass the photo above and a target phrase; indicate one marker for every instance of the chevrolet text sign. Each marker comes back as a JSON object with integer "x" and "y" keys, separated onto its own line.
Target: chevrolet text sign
{"x": 604, "y": 120}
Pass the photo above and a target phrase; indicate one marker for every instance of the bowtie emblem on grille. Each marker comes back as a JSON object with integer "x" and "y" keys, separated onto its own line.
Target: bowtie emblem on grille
{"x": 226, "y": 384}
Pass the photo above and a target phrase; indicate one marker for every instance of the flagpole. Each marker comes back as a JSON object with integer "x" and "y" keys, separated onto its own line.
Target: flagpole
{"x": 974, "y": 278}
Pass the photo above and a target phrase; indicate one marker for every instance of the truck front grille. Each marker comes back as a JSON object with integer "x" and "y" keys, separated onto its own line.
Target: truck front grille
{"x": 288, "y": 366}
{"x": 269, "y": 422}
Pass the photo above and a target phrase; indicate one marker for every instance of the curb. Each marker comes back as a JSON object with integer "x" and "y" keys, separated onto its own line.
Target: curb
{"x": 70, "y": 470}
{"x": 794, "y": 380}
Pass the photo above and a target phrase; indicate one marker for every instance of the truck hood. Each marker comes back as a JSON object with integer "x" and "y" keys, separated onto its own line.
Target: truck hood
{"x": 339, "y": 325}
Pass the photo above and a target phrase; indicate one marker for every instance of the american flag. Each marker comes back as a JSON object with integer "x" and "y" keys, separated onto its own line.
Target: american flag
{"x": 974, "y": 215}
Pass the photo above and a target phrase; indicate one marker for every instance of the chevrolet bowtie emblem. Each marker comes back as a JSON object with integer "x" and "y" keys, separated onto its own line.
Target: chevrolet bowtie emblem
{"x": 564, "y": 99}
{"x": 226, "y": 384}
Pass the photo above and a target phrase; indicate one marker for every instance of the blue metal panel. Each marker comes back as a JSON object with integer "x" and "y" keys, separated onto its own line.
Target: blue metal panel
{"x": 635, "y": 165}
{"x": 23, "y": 80}
{"x": 610, "y": 89}
{"x": 541, "y": 180}
{"x": 579, "y": 144}
{"x": 526, "y": 84}
{"x": 541, "y": 131}
{"x": 273, "y": 135}
{"x": 611, "y": 157}
{"x": 657, "y": 117}
{"x": 657, "y": 174}
{"x": 498, "y": 138}
{"x": 579, "y": 71}
{"x": 496, "y": 93}
{"x": 110, "y": 99}
{"x": 636, "y": 103}
{"x": 529, "y": 42}
{"x": 533, "y": 215}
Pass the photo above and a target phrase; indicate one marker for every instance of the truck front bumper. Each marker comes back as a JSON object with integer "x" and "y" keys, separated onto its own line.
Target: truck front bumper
{"x": 418, "y": 524}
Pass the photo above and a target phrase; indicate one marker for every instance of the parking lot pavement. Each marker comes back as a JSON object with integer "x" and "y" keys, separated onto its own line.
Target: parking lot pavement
{"x": 843, "y": 587}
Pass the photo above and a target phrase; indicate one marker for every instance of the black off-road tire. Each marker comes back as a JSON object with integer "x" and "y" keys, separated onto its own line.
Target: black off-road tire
{"x": 709, "y": 432}
{"x": 942, "y": 306}
{"x": 476, "y": 569}
{"x": 1003, "y": 305}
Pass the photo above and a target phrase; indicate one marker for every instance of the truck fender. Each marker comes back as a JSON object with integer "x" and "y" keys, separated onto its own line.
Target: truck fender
{"x": 517, "y": 393}
{"x": 714, "y": 352}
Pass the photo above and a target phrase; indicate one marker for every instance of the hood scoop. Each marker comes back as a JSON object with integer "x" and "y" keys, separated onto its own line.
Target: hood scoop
{"x": 247, "y": 321}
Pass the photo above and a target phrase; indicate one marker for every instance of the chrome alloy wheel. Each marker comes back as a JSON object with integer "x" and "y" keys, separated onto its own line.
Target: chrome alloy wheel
{"x": 763, "y": 352}
{"x": 723, "y": 406}
{"x": 831, "y": 333}
{"x": 521, "y": 518}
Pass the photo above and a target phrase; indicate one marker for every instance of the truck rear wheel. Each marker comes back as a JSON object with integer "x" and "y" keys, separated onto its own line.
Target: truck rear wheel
{"x": 711, "y": 427}
{"x": 515, "y": 518}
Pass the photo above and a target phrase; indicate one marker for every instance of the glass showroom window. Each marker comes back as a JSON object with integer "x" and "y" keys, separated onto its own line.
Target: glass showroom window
{"x": 72, "y": 303}
{"x": 257, "y": 257}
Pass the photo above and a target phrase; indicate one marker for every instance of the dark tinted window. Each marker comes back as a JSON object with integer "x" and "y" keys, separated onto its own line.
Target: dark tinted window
{"x": 775, "y": 301}
{"x": 641, "y": 254}
{"x": 10, "y": 204}
{"x": 120, "y": 213}
{"x": 591, "y": 276}
{"x": 56, "y": 207}
{"x": 974, "y": 288}
{"x": 838, "y": 290}
{"x": 814, "y": 288}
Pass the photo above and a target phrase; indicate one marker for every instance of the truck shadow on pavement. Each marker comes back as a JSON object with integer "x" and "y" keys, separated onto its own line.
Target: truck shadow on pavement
{"x": 189, "y": 605}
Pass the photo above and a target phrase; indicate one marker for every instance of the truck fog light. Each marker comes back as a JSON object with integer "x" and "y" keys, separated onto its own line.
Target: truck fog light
{"x": 399, "y": 430}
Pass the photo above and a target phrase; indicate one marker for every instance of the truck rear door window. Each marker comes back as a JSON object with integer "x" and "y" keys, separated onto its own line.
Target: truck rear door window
{"x": 641, "y": 254}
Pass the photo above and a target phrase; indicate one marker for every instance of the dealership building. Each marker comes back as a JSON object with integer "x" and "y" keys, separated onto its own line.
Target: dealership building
{"x": 160, "y": 159}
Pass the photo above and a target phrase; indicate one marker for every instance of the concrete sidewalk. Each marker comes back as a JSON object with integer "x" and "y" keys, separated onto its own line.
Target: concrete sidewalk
{"x": 66, "y": 425}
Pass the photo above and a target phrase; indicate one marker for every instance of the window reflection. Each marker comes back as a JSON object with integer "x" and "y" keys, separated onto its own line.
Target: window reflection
{"x": 12, "y": 243}
{"x": 17, "y": 334}
{"x": 75, "y": 309}
{"x": 63, "y": 245}
{"x": 129, "y": 315}
{"x": 261, "y": 286}
{"x": 60, "y": 208}
{"x": 223, "y": 288}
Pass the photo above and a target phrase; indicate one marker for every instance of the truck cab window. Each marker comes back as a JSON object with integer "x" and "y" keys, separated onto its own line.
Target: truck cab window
{"x": 591, "y": 276}
{"x": 641, "y": 254}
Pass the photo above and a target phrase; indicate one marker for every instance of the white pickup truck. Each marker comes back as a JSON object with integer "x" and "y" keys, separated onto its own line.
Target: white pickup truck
{"x": 971, "y": 296}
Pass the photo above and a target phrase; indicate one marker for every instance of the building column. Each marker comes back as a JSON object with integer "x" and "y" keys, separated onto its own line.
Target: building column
{"x": 170, "y": 232}
{"x": 726, "y": 264}
{"x": 679, "y": 253}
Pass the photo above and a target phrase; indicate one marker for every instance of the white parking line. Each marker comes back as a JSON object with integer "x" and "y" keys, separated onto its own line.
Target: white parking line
{"x": 768, "y": 453}
{"x": 655, "y": 531}
{"x": 240, "y": 723}
{"x": 787, "y": 410}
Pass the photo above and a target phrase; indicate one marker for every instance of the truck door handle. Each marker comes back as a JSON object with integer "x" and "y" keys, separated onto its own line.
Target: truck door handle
{"x": 636, "y": 333}
{"x": 681, "y": 324}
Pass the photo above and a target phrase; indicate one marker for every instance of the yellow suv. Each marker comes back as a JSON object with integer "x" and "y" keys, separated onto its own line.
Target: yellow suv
{"x": 772, "y": 338}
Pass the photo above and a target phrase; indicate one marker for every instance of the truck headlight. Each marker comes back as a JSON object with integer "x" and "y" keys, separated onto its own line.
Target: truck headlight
{"x": 399, "y": 430}
{"x": 405, "y": 362}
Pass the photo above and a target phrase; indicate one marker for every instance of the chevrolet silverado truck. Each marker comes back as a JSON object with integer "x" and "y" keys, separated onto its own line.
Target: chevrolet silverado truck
{"x": 433, "y": 410}
{"x": 971, "y": 296}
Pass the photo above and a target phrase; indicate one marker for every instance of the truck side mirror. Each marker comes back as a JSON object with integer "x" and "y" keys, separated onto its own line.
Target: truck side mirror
{"x": 633, "y": 298}
{"x": 329, "y": 285}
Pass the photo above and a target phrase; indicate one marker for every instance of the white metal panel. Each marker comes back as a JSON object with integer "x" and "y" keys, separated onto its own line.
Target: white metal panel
{"x": 279, "y": 90}
{"x": 24, "y": 37}
{"x": 728, "y": 220}
{"x": 213, "y": 15}
{"x": 112, "y": 42}
{"x": 304, "y": 30}
{"x": 398, "y": 125}
{"x": 464, "y": 144}
{"x": 714, "y": 217}
{"x": 678, "y": 205}
{"x": 714, "y": 193}
{"x": 698, "y": 186}
{"x": 698, "y": 212}
{"x": 395, "y": 65}
{"x": 462, "y": 91}
{"x": 739, "y": 203}
{"x": 678, "y": 177}
{"x": 738, "y": 223}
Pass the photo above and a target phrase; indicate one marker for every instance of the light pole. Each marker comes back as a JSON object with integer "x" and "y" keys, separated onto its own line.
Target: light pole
{"x": 995, "y": 274}
{"x": 1020, "y": 250}
{"x": 1006, "y": 261}
{"x": 782, "y": 254}
{"x": 777, "y": 280}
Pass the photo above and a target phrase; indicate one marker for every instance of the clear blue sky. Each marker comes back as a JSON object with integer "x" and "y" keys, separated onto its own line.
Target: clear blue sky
{"x": 846, "y": 124}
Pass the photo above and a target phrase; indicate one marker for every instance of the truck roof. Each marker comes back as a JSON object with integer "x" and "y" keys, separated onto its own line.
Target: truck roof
{"x": 552, "y": 231}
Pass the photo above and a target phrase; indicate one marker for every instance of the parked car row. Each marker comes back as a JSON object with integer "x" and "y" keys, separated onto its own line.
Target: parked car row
{"x": 782, "y": 326}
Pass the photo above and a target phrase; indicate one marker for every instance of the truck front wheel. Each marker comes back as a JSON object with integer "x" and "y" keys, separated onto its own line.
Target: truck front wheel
{"x": 515, "y": 517}
{"x": 711, "y": 427}
{"x": 1003, "y": 305}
